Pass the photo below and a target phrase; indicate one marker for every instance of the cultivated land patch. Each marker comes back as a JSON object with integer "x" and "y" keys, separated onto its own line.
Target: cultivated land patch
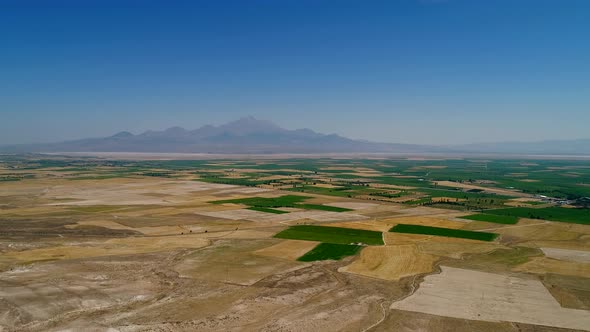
{"x": 391, "y": 262}
{"x": 291, "y": 201}
{"x": 498, "y": 219}
{"x": 333, "y": 251}
{"x": 439, "y": 231}
{"x": 576, "y": 216}
{"x": 336, "y": 235}
{"x": 475, "y": 295}
{"x": 581, "y": 256}
{"x": 426, "y": 221}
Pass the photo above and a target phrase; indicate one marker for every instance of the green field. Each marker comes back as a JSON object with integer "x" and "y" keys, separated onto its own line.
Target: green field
{"x": 267, "y": 210}
{"x": 439, "y": 231}
{"x": 498, "y": 219}
{"x": 336, "y": 235}
{"x": 576, "y": 216}
{"x": 325, "y": 251}
{"x": 282, "y": 201}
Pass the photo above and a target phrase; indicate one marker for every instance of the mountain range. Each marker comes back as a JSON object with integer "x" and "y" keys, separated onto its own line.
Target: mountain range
{"x": 250, "y": 135}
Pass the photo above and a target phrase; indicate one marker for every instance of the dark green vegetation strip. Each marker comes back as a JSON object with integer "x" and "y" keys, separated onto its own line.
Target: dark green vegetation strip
{"x": 576, "y": 216}
{"x": 439, "y": 231}
{"x": 498, "y": 219}
{"x": 283, "y": 201}
{"x": 324, "y": 251}
{"x": 268, "y": 210}
{"x": 336, "y": 235}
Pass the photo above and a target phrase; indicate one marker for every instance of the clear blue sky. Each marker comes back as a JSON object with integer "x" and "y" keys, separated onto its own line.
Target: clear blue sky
{"x": 414, "y": 71}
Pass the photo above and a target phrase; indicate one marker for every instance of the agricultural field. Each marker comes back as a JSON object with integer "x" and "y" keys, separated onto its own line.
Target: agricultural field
{"x": 440, "y": 231}
{"x": 325, "y": 251}
{"x": 294, "y": 244}
{"x": 338, "y": 235}
{"x": 577, "y": 216}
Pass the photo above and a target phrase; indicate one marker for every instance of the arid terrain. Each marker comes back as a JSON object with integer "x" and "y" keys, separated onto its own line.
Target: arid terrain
{"x": 100, "y": 245}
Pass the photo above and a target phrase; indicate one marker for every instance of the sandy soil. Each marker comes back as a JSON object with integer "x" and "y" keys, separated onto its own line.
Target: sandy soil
{"x": 491, "y": 297}
{"x": 580, "y": 256}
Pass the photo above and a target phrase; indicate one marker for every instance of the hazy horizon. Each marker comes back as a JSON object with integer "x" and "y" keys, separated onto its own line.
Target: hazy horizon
{"x": 421, "y": 72}
{"x": 138, "y": 132}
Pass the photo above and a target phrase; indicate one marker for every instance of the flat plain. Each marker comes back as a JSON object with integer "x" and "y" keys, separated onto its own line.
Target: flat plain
{"x": 293, "y": 244}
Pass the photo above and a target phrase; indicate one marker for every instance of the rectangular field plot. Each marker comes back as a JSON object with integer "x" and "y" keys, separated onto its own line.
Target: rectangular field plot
{"x": 576, "y": 216}
{"x": 474, "y": 295}
{"x": 439, "y": 231}
{"x": 336, "y": 235}
{"x": 291, "y": 201}
{"x": 325, "y": 251}
{"x": 282, "y": 201}
{"x": 498, "y": 219}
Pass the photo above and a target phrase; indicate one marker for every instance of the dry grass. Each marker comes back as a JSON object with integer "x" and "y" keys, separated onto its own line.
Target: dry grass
{"x": 544, "y": 265}
{"x": 391, "y": 262}
{"x": 126, "y": 246}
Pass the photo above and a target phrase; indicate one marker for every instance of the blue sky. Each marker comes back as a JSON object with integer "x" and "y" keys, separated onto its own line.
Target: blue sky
{"x": 411, "y": 71}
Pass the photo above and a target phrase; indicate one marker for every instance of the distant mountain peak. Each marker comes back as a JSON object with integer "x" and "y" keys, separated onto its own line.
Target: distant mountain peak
{"x": 249, "y": 125}
{"x": 245, "y": 135}
{"x": 175, "y": 131}
{"x": 122, "y": 134}
{"x": 250, "y": 121}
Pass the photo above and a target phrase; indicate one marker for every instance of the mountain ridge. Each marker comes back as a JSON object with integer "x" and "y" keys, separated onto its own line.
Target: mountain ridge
{"x": 251, "y": 135}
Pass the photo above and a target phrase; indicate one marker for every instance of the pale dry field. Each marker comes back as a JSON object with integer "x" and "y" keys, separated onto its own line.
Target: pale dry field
{"x": 491, "y": 297}
{"x": 580, "y": 256}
